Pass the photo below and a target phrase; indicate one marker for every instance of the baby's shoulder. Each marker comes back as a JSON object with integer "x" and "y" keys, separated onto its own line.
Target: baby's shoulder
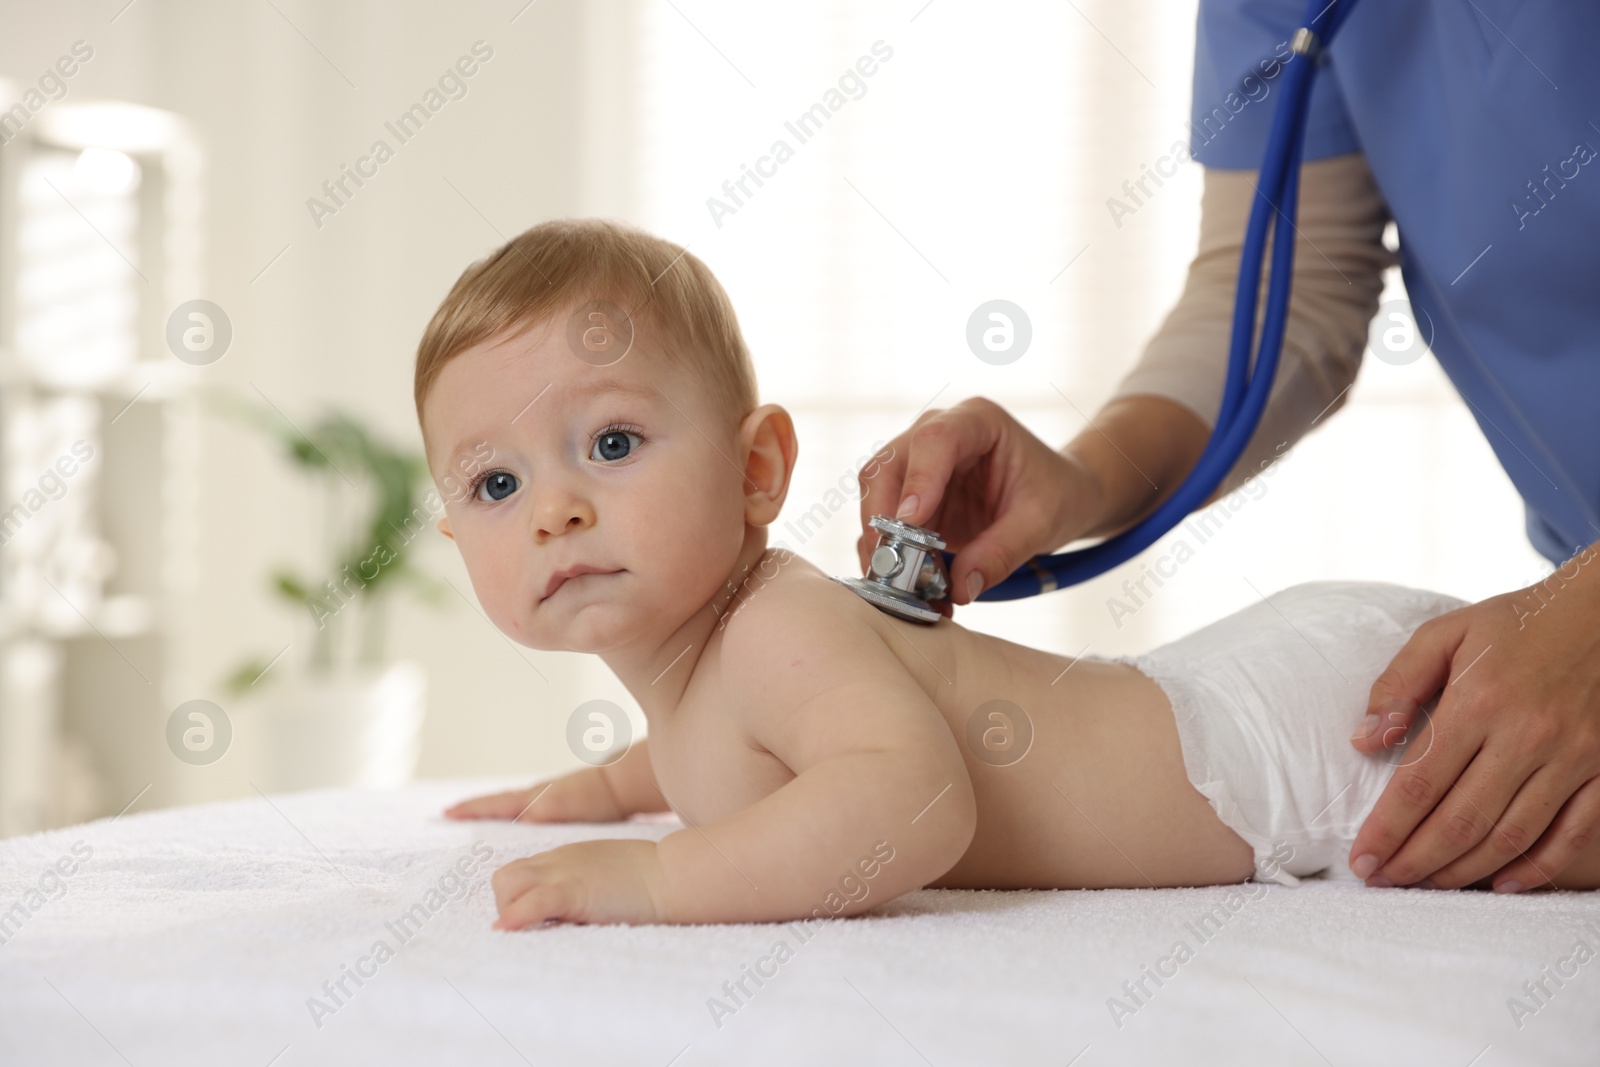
{"x": 795, "y": 626}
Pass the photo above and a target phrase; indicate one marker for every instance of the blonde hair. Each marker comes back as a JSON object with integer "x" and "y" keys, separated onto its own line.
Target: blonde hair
{"x": 670, "y": 296}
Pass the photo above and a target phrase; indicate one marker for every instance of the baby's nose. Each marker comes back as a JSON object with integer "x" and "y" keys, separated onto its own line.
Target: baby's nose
{"x": 561, "y": 517}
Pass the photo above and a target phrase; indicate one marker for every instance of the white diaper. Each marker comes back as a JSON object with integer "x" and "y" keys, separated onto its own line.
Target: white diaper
{"x": 1266, "y": 700}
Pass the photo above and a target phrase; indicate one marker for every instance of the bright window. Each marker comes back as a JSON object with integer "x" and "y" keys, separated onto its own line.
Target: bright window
{"x": 974, "y": 163}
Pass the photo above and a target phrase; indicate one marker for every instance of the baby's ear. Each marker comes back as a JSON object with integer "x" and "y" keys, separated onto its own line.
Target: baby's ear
{"x": 444, "y": 528}
{"x": 768, "y": 443}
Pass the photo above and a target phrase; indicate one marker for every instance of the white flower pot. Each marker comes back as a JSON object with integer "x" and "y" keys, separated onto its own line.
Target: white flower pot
{"x": 354, "y": 728}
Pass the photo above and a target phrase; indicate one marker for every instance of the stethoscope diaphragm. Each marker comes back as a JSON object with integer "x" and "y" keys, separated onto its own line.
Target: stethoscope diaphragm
{"x": 906, "y": 571}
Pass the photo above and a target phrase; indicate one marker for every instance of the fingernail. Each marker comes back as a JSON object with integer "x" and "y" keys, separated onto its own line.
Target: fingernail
{"x": 1364, "y": 864}
{"x": 1378, "y": 881}
{"x": 908, "y": 507}
{"x": 1510, "y": 885}
{"x": 1396, "y": 711}
{"x": 974, "y": 585}
{"x": 1368, "y": 725}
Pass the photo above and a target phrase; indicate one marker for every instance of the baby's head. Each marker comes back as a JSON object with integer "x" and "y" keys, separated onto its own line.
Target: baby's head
{"x": 586, "y": 399}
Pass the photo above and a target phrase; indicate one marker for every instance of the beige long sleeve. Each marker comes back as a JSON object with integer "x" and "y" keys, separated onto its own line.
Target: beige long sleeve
{"x": 1338, "y": 267}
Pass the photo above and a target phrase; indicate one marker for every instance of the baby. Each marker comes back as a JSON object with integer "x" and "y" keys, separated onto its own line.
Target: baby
{"x": 589, "y": 385}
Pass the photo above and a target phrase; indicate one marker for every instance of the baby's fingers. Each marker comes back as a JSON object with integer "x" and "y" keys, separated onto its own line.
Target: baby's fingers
{"x": 533, "y": 908}
{"x": 509, "y": 805}
{"x": 527, "y": 896}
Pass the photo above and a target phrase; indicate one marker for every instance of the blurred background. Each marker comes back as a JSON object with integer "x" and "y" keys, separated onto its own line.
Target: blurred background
{"x": 213, "y": 280}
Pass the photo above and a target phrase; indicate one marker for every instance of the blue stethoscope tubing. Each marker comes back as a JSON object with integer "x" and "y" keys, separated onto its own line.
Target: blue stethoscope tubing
{"x": 1244, "y": 395}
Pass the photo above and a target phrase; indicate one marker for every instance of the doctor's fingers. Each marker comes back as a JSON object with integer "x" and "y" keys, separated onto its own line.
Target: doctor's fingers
{"x": 1514, "y": 833}
{"x": 1474, "y": 801}
{"x": 1518, "y": 718}
{"x": 881, "y": 480}
{"x": 1573, "y": 836}
{"x": 927, "y": 455}
{"x": 1416, "y": 789}
{"x": 1026, "y": 517}
{"x": 1418, "y": 671}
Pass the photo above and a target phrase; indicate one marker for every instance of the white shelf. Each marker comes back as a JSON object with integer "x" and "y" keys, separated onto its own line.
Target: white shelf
{"x": 89, "y": 272}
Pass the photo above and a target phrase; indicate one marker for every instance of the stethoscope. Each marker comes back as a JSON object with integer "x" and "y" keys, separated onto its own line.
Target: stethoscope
{"x": 910, "y": 567}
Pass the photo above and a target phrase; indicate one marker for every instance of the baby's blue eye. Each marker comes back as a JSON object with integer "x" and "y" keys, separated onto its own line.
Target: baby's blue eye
{"x": 497, "y": 486}
{"x": 613, "y": 445}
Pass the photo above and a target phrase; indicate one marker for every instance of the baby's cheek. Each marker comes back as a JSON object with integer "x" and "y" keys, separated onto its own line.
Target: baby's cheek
{"x": 500, "y": 604}
{"x": 497, "y": 584}
{"x": 690, "y": 562}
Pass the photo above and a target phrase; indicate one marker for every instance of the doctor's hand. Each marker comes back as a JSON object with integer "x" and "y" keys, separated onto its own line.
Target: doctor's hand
{"x": 1510, "y": 785}
{"x": 994, "y": 492}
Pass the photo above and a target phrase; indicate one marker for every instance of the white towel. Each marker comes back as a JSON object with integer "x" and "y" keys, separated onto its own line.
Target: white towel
{"x": 202, "y": 936}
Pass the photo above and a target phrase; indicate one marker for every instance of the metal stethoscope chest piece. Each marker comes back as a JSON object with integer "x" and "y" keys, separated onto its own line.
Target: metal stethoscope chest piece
{"x": 906, "y": 571}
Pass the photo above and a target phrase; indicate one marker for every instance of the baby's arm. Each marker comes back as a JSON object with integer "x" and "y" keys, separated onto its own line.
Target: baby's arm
{"x": 878, "y": 774}
{"x": 593, "y": 794}
{"x": 880, "y": 803}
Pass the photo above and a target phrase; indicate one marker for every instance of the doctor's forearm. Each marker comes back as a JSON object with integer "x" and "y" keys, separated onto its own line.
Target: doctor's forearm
{"x": 1136, "y": 451}
{"x": 1338, "y": 276}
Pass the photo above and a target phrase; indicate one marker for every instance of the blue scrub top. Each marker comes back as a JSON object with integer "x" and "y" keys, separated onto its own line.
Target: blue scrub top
{"x": 1481, "y": 124}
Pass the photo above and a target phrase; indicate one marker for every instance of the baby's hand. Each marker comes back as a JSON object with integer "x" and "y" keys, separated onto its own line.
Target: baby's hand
{"x": 584, "y": 882}
{"x": 581, "y": 796}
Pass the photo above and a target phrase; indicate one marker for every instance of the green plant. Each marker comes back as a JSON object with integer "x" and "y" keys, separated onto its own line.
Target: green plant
{"x": 368, "y": 528}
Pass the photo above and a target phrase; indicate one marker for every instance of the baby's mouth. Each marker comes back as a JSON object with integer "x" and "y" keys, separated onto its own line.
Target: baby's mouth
{"x": 560, "y": 582}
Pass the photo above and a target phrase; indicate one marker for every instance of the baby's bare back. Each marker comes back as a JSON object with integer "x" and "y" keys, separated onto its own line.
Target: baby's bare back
{"x": 1075, "y": 765}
